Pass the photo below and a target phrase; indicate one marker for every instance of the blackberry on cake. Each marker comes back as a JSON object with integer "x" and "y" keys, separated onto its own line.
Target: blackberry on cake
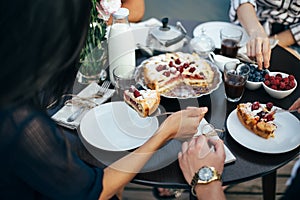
{"x": 258, "y": 118}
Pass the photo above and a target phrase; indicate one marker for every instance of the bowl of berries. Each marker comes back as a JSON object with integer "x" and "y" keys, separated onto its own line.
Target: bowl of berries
{"x": 279, "y": 85}
{"x": 256, "y": 77}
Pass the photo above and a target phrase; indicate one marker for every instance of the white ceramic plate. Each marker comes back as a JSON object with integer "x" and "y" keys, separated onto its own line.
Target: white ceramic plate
{"x": 286, "y": 138}
{"x": 212, "y": 29}
{"x": 115, "y": 126}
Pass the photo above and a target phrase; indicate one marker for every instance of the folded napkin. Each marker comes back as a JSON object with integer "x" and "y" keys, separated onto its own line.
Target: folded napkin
{"x": 66, "y": 111}
{"x": 147, "y": 23}
{"x": 229, "y": 155}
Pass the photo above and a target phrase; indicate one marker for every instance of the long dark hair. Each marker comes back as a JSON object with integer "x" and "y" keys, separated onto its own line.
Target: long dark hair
{"x": 40, "y": 45}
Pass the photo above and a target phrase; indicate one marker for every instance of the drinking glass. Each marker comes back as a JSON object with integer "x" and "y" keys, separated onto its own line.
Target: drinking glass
{"x": 230, "y": 39}
{"x": 124, "y": 76}
{"x": 235, "y": 78}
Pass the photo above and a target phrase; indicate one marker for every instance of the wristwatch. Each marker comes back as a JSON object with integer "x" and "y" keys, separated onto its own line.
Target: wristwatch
{"x": 204, "y": 175}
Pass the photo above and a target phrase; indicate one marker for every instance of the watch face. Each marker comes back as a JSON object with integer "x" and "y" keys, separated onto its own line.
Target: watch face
{"x": 205, "y": 174}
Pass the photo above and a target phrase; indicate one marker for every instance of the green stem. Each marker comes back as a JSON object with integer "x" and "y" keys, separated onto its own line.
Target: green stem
{"x": 96, "y": 34}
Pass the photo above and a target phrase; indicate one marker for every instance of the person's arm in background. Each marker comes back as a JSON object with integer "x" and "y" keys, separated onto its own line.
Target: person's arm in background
{"x": 136, "y": 10}
{"x": 197, "y": 154}
{"x": 258, "y": 46}
{"x": 287, "y": 38}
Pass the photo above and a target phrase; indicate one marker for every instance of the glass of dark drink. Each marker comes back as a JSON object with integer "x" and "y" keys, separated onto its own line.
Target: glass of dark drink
{"x": 235, "y": 77}
{"x": 230, "y": 39}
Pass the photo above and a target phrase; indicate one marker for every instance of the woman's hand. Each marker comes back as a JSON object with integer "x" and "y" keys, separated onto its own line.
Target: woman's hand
{"x": 258, "y": 47}
{"x": 184, "y": 123}
{"x": 197, "y": 153}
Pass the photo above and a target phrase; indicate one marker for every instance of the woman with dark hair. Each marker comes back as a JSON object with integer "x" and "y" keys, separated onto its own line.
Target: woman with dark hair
{"x": 40, "y": 45}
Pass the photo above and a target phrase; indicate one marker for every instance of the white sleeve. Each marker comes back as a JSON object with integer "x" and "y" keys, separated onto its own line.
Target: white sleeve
{"x": 295, "y": 29}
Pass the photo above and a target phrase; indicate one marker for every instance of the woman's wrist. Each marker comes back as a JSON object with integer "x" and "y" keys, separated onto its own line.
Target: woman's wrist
{"x": 284, "y": 38}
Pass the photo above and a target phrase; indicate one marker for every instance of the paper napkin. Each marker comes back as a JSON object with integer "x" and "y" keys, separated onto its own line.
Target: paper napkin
{"x": 66, "y": 111}
{"x": 229, "y": 155}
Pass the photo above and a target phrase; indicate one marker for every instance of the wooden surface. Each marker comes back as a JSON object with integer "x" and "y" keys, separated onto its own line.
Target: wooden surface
{"x": 250, "y": 190}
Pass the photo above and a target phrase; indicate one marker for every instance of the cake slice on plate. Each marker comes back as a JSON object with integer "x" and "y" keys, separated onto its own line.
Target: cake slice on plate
{"x": 257, "y": 118}
{"x": 144, "y": 101}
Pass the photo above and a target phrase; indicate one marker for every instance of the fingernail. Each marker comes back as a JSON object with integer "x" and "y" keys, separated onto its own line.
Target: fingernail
{"x": 204, "y": 109}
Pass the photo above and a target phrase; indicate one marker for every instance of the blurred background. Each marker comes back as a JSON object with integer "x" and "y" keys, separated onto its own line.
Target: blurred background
{"x": 200, "y": 10}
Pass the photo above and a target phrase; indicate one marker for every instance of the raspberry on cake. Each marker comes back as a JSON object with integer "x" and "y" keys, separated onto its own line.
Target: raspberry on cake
{"x": 166, "y": 71}
{"x": 145, "y": 102}
{"x": 191, "y": 76}
{"x": 257, "y": 118}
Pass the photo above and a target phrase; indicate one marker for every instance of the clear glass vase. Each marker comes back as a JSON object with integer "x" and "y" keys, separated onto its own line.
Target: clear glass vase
{"x": 94, "y": 55}
{"x": 93, "y": 66}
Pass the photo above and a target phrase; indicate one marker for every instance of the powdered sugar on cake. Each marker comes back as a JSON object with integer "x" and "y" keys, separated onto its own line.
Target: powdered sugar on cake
{"x": 167, "y": 71}
{"x": 145, "y": 102}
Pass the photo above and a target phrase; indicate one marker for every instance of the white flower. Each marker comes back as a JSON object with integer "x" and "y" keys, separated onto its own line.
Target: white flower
{"x": 107, "y": 7}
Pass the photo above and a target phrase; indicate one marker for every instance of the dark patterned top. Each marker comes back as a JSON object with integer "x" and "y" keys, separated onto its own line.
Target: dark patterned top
{"x": 39, "y": 161}
{"x": 284, "y": 12}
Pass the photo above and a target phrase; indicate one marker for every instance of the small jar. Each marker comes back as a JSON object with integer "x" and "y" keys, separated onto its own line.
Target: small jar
{"x": 202, "y": 44}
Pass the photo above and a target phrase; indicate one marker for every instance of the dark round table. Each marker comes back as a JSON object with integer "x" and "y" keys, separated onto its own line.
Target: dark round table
{"x": 249, "y": 164}
{"x": 163, "y": 170}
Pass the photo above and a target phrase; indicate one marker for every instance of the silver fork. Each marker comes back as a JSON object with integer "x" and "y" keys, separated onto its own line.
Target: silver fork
{"x": 100, "y": 93}
{"x": 157, "y": 114}
{"x": 103, "y": 89}
{"x": 280, "y": 110}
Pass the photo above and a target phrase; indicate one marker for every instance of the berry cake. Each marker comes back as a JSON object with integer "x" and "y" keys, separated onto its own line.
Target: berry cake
{"x": 166, "y": 71}
{"x": 145, "y": 102}
{"x": 257, "y": 118}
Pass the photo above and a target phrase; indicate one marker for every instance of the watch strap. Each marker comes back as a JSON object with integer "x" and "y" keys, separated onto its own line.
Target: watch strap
{"x": 195, "y": 181}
